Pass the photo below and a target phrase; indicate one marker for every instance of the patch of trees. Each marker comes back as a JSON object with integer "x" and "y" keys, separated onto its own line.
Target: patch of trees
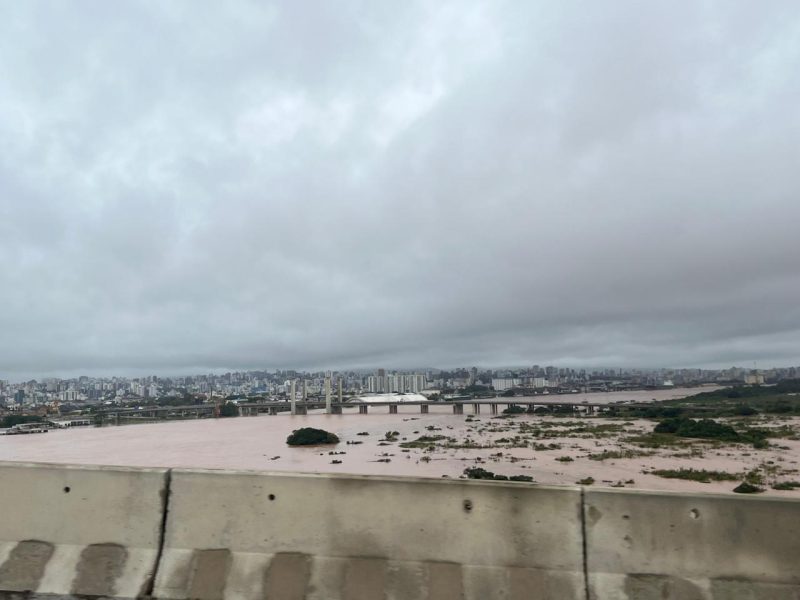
{"x": 11, "y": 420}
{"x": 229, "y": 409}
{"x": 703, "y": 428}
{"x": 697, "y": 409}
{"x": 790, "y": 386}
{"x": 309, "y": 436}
{"x": 476, "y": 389}
{"x": 709, "y": 429}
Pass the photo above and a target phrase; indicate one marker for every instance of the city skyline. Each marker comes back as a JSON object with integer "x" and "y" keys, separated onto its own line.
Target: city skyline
{"x": 365, "y": 373}
{"x": 367, "y": 370}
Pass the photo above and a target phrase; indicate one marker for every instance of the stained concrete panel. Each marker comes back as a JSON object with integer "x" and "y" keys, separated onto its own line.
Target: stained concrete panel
{"x": 90, "y": 531}
{"x": 664, "y": 546}
{"x": 360, "y": 532}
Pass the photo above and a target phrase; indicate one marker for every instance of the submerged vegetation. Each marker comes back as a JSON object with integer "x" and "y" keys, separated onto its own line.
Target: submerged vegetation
{"x": 747, "y": 488}
{"x": 712, "y": 426}
{"x": 481, "y": 473}
{"x": 786, "y": 485}
{"x": 782, "y": 398}
{"x": 615, "y": 454}
{"x": 669, "y": 431}
{"x": 700, "y": 475}
{"x": 425, "y": 441}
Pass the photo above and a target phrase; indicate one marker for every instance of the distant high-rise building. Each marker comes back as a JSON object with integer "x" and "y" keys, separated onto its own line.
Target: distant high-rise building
{"x": 395, "y": 383}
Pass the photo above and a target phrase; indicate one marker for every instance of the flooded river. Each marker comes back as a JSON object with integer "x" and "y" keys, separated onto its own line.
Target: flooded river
{"x": 259, "y": 443}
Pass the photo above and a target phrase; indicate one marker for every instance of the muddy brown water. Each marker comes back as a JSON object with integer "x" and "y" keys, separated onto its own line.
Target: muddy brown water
{"x": 259, "y": 443}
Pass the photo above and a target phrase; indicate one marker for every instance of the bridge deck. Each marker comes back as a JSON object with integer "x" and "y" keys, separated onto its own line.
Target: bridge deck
{"x": 338, "y": 406}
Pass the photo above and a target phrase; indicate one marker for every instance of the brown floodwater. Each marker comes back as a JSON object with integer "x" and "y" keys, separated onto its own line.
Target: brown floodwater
{"x": 259, "y": 443}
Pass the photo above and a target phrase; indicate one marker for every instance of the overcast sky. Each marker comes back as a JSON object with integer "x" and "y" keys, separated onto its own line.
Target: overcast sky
{"x": 187, "y": 186}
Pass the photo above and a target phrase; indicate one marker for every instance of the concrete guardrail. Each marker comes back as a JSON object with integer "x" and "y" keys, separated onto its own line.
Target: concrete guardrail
{"x": 80, "y": 531}
{"x": 654, "y": 546}
{"x": 249, "y": 535}
{"x": 213, "y": 535}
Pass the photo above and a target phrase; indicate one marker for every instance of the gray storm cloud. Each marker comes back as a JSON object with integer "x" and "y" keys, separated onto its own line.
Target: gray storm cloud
{"x": 308, "y": 184}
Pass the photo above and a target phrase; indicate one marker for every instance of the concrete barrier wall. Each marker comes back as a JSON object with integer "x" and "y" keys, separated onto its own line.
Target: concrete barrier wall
{"x": 180, "y": 534}
{"x": 85, "y": 531}
{"x": 244, "y": 536}
{"x": 651, "y": 546}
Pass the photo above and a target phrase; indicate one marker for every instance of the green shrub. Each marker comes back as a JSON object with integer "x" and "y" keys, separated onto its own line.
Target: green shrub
{"x": 615, "y": 454}
{"x": 700, "y": 475}
{"x": 478, "y": 473}
{"x": 551, "y": 446}
{"x": 481, "y": 473}
{"x": 514, "y": 410}
{"x": 747, "y": 488}
{"x": 423, "y": 441}
{"x": 308, "y": 436}
{"x": 786, "y": 485}
{"x": 708, "y": 429}
{"x": 780, "y": 407}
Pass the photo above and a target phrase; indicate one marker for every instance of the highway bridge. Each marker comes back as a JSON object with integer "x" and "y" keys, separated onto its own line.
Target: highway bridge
{"x": 493, "y": 406}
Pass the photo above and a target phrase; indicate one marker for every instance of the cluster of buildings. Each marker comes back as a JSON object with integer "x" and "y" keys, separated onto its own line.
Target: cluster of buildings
{"x": 403, "y": 383}
{"x": 82, "y": 391}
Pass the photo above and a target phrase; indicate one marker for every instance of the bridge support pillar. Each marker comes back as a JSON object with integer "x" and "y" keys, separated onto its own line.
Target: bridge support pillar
{"x": 393, "y": 409}
{"x": 476, "y": 409}
{"x": 336, "y": 409}
{"x": 273, "y": 410}
{"x": 458, "y": 409}
{"x": 423, "y": 408}
{"x": 363, "y": 409}
{"x": 493, "y": 408}
{"x": 328, "y": 409}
